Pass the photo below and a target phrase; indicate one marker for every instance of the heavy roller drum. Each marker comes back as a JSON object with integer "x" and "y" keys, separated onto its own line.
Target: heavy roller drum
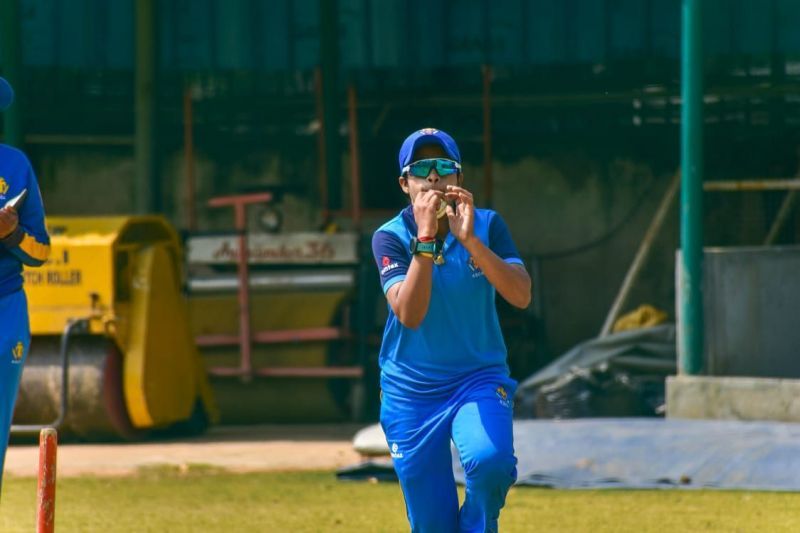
{"x": 95, "y": 405}
{"x": 109, "y": 319}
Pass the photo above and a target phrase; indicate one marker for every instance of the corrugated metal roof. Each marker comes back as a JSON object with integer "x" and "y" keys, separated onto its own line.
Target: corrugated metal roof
{"x": 284, "y": 34}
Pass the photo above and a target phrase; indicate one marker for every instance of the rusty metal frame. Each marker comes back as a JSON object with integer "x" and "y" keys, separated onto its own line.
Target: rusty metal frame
{"x": 246, "y": 337}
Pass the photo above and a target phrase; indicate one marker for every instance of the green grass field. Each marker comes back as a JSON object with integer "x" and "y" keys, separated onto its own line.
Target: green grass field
{"x": 204, "y": 500}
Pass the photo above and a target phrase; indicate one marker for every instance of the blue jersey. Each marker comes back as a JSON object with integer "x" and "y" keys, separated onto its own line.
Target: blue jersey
{"x": 460, "y": 336}
{"x": 29, "y": 244}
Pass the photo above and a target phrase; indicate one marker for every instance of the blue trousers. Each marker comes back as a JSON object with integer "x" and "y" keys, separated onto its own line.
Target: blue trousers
{"x": 15, "y": 339}
{"x": 477, "y": 417}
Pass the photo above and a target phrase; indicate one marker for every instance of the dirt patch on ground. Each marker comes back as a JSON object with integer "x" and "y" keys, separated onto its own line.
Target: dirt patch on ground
{"x": 233, "y": 448}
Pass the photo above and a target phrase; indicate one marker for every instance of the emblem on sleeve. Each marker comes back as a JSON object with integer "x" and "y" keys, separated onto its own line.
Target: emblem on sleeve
{"x": 17, "y": 351}
{"x": 388, "y": 265}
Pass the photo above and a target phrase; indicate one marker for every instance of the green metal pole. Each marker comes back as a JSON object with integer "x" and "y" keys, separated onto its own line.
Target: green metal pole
{"x": 144, "y": 142}
{"x": 12, "y": 59}
{"x": 690, "y": 327}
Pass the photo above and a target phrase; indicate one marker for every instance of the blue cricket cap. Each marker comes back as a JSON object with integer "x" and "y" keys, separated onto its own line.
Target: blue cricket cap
{"x": 427, "y": 136}
{"x": 6, "y": 94}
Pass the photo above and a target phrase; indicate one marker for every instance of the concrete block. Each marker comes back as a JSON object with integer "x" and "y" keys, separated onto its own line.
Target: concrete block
{"x": 733, "y": 398}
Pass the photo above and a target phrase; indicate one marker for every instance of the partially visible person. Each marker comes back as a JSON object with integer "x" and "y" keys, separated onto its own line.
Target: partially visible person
{"x": 23, "y": 241}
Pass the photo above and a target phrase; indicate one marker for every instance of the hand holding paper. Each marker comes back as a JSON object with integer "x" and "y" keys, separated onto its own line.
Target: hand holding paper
{"x": 16, "y": 202}
{"x": 9, "y": 219}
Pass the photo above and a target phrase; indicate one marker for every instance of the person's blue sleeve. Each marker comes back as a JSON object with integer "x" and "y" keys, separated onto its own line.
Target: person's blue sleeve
{"x": 500, "y": 241}
{"x": 392, "y": 258}
{"x": 30, "y": 242}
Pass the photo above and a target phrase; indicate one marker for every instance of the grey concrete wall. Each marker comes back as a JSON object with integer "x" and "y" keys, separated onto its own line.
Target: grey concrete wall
{"x": 84, "y": 180}
{"x": 99, "y": 181}
{"x": 733, "y": 398}
{"x": 567, "y": 201}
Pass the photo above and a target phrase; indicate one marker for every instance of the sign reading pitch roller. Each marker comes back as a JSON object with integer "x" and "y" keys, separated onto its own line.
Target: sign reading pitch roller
{"x": 265, "y": 248}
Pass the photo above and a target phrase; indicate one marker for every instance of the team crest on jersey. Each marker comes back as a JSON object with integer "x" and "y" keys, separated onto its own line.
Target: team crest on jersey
{"x": 476, "y": 271}
{"x": 503, "y": 395}
{"x": 3, "y": 186}
{"x": 17, "y": 351}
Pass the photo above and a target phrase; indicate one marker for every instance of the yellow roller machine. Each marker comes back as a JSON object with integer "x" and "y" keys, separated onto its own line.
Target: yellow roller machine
{"x": 109, "y": 306}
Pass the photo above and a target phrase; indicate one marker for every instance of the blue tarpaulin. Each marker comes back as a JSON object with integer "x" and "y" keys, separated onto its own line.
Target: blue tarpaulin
{"x": 644, "y": 453}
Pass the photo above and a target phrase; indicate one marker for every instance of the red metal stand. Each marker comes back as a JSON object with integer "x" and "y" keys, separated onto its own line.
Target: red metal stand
{"x": 239, "y": 204}
{"x": 355, "y": 157}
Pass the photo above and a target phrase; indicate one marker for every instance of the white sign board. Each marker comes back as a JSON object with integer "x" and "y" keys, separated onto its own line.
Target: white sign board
{"x": 283, "y": 249}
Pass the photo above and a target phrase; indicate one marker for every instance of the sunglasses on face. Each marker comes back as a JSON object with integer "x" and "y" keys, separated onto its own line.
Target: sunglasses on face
{"x": 423, "y": 167}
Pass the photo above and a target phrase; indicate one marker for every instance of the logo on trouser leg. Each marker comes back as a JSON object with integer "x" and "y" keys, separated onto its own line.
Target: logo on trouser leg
{"x": 17, "y": 352}
{"x": 503, "y": 395}
{"x": 395, "y": 454}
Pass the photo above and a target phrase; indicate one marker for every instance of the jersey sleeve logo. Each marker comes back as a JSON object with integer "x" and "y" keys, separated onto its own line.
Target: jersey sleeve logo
{"x": 3, "y": 186}
{"x": 388, "y": 265}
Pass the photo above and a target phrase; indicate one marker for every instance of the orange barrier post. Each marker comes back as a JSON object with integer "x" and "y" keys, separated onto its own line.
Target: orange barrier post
{"x": 46, "y": 491}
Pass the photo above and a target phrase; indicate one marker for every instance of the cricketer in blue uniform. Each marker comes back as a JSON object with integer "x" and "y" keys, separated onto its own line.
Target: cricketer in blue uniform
{"x": 443, "y": 359}
{"x": 23, "y": 240}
